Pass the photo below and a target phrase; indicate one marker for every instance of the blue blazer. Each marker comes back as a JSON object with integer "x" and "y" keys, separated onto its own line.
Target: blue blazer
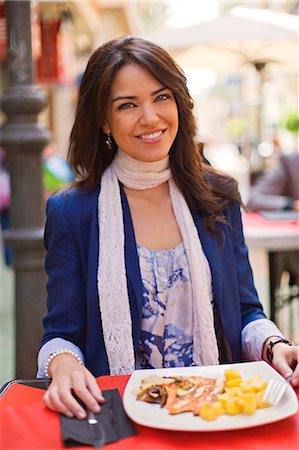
{"x": 72, "y": 243}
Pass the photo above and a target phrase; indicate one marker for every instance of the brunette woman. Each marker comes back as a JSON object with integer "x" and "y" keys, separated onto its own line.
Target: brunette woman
{"x": 146, "y": 258}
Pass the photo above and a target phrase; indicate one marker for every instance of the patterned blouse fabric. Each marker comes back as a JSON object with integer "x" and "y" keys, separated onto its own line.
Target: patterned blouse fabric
{"x": 167, "y": 324}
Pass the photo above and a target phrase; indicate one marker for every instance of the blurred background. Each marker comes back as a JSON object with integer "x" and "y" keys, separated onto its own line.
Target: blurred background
{"x": 241, "y": 63}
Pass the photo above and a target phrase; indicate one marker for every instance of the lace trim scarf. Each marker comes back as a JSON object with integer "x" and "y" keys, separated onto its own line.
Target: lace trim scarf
{"x": 112, "y": 282}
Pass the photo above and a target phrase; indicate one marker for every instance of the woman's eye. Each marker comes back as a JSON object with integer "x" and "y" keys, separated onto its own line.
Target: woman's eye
{"x": 162, "y": 97}
{"x": 126, "y": 106}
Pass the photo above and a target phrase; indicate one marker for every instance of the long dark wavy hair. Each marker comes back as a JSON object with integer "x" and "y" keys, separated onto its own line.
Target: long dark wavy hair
{"x": 204, "y": 189}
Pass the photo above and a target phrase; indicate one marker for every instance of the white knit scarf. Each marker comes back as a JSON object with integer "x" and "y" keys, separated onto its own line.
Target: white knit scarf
{"x": 112, "y": 282}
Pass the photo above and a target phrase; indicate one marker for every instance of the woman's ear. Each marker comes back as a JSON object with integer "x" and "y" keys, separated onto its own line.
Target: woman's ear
{"x": 105, "y": 127}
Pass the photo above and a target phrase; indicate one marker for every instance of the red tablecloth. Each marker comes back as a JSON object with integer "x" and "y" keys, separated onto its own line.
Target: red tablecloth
{"x": 27, "y": 424}
{"x": 256, "y": 220}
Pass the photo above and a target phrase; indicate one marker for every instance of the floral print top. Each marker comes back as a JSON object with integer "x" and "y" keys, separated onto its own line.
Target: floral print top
{"x": 167, "y": 325}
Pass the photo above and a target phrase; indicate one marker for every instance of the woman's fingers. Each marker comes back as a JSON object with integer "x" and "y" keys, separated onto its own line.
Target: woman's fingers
{"x": 295, "y": 377}
{"x": 60, "y": 398}
{"x": 95, "y": 390}
{"x": 285, "y": 361}
{"x": 53, "y": 402}
{"x": 80, "y": 388}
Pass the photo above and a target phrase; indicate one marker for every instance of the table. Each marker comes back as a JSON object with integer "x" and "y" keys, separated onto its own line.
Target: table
{"x": 273, "y": 235}
{"x": 28, "y": 424}
{"x": 276, "y": 237}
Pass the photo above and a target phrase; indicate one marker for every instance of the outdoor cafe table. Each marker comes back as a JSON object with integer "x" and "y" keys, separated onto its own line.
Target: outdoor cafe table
{"x": 27, "y": 424}
{"x": 275, "y": 237}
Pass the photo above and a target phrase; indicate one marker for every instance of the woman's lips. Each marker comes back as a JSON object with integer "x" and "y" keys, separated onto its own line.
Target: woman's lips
{"x": 151, "y": 136}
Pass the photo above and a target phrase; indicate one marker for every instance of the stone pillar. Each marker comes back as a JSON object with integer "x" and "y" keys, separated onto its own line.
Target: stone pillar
{"x": 23, "y": 140}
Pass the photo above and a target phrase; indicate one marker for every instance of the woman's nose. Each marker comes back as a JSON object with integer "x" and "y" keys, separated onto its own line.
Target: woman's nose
{"x": 148, "y": 116}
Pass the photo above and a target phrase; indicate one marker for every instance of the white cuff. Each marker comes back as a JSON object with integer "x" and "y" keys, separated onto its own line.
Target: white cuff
{"x": 253, "y": 337}
{"x": 53, "y": 346}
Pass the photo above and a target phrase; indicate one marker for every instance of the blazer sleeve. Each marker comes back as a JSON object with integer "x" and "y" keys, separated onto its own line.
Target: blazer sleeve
{"x": 251, "y": 308}
{"x": 66, "y": 303}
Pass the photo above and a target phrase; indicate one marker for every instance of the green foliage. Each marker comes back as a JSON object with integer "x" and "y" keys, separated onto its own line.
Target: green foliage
{"x": 237, "y": 127}
{"x": 291, "y": 121}
{"x": 51, "y": 182}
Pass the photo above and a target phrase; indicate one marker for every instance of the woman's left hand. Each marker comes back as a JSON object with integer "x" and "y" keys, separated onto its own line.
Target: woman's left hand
{"x": 286, "y": 361}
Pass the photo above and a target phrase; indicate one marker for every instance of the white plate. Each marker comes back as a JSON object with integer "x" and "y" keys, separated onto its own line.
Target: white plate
{"x": 152, "y": 415}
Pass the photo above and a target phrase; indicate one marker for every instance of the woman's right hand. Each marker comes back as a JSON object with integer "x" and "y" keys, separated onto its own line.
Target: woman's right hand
{"x": 68, "y": 377}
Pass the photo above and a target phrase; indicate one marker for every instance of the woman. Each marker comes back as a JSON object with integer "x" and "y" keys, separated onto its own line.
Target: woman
{"x": 146, "y": 259}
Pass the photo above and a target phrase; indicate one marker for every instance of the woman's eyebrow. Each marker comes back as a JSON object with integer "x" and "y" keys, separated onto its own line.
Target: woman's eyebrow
{"x": 159, "y": 90}
{"x": 124, "y": 97}
{"x": 134, "y": 97}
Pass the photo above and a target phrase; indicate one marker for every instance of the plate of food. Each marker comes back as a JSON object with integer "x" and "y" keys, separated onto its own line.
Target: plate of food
{"x": 210, "y": 398}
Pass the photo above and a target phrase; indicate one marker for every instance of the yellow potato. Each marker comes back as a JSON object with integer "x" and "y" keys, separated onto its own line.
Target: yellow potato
{"x": 250, "y": 403}
{"x": 234, "y": 392}
{"x": 235, "y": 382}
{"x": 231, "y": 374}
{"x": 257, "y": 384}
{"x": 243, "y": 395}
{"x": 260, "y": 403}
{"x": 210, "y": 411}
{"x": 233, "y": 407}
{"x": 246, "y": 389}
{"x": 223, "y": 397}
{"x": 219, "y": 408}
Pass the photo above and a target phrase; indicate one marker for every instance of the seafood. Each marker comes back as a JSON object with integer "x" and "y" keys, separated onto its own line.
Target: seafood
{"x": 180, "y": 394}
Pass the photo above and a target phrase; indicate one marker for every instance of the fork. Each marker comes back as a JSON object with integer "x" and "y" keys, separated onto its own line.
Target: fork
{"x": 275, "y": 390}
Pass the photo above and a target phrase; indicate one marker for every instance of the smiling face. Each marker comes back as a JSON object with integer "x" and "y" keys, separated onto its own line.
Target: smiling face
{"x": 142, "y": 115}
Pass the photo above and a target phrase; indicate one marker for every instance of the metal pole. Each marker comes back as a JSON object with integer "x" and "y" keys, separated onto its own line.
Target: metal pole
{"x": 260, "y": 68}
{"x": 23, "y": 139}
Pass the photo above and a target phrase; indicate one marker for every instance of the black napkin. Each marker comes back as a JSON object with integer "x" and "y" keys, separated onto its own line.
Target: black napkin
{"x": 113, "y": 424}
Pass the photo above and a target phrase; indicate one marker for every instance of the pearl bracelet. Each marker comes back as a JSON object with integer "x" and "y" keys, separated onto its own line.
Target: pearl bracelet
{"x": 55, "y": 354}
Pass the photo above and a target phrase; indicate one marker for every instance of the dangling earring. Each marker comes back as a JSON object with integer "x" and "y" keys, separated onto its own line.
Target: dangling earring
{"x": 109, "y": 141}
